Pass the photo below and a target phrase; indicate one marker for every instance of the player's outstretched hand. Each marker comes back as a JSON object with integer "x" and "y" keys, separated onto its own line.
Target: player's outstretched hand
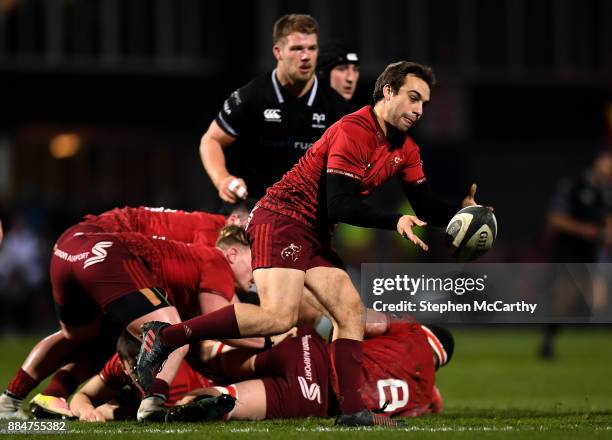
{"x": 232, "y": 188}
{"x": 404, "y": 228}
{"x": 470, "y": 199}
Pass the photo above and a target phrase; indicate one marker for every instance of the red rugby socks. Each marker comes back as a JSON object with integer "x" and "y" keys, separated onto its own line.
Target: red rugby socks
{"x": 159, "y": 388}
{"x": 347, "y": 358}
{"x": 220, "y": 324}
{"x": 21, "y": 385}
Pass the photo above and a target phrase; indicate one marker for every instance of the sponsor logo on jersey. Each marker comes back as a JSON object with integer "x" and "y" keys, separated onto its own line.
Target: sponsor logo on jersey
{"x": 99, "y": 252}
{"x": 159, "y": 209}
{"x": 226, "y": 108}
{"x": 272, "y": 115}
{"x": 291, "y": 252}
{"x": 68, "y": 257}
{"x": 235, "y": 96}
{"x": 310, "y": 392}
{"x": 318, "y": 118}
{"x": 307, "y": 361}
{"x": 302, "y": 145}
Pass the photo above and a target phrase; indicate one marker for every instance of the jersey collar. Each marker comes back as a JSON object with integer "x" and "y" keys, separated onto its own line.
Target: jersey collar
{"x": 380, "y": 135}
{"x": 279, "y": 94}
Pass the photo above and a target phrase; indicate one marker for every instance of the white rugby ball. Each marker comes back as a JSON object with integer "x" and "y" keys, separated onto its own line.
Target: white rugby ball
{"x": 471, "y": 232}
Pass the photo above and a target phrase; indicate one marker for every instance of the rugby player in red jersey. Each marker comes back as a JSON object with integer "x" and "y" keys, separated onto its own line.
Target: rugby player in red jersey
{"x": 190, "y": 227}
{"x": 114, "y": 393}
{"x": 127, "y": 275}
{"x": 290, "y": 232}
{"x": 291, "y": 379}
{"x": 172, "y": 224}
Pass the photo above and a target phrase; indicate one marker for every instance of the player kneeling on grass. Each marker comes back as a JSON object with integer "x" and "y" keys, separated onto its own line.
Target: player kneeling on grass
{"x": 114, "y": 393}
{"x": 291, "y": 380}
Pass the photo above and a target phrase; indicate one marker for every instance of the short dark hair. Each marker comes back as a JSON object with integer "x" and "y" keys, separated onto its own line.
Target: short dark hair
{"x": 289, "y": 23}
{"x": 232, "y": 235}
{"x": 395, "y": 75}
{"x": 128, "y": 347}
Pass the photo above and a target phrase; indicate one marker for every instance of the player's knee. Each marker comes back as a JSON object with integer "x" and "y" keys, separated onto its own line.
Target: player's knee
{"x": 283, "y": 323}
{"x": 281, "y": 317}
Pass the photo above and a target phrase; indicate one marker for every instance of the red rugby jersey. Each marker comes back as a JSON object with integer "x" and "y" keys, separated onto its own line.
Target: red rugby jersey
{"x": 188, "y": 227}
{"x": 186, "y": 380}
{"x": 354, "y": 146}
{"x": 398, "y": 369}
{"x": 184, "y": 269}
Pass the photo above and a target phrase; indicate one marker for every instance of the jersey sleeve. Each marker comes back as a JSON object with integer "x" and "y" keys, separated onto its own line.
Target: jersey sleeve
{"x": 348, "y": 152}
{"x": 412, "y": 173}
{"x": 216, "y": 276}
{"x": 112, "y": 373}
{"x": 233, "y": 116}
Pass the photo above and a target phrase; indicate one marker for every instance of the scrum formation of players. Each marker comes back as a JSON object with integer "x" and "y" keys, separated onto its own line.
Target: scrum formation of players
{"x": 170, "y": 278}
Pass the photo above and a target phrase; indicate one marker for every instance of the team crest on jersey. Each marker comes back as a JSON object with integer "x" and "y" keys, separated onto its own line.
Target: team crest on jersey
{"x": 291, "y": 252}
{"x": 272, "y": 115}
{"x": 396, "y": 161}
{"x": 317, "y": 119}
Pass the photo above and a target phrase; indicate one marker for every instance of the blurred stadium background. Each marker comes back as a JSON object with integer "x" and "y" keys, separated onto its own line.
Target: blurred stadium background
{"x": 103, "y": 103}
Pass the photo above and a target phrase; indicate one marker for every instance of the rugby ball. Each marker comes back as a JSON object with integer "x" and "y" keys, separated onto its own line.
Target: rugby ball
{"x": 471, "y": 232}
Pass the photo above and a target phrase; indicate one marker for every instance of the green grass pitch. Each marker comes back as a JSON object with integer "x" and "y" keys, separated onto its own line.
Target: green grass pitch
{"x": 495, "y": 387}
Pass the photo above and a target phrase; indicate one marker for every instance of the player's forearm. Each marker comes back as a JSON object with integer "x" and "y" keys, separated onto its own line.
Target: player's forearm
{"x": 213, "y": 159}
{"x": 344, "y": 205}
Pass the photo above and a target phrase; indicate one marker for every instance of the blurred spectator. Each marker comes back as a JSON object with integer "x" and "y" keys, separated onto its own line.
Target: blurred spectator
{"x": 22, "y": 273}
{"x": 576, "y": 223}
{"x": 578, "y": 213}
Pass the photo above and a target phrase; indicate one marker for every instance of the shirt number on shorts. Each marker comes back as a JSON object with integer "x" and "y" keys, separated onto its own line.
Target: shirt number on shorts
{"x": 393, "y": 392}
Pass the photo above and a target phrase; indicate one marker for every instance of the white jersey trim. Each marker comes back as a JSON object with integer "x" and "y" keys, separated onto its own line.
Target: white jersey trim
{"x": 279, "y": 95}
{"x": 276, "y": 86}
{"x": 313, "y": 91}
{"x": 226, "y": 126}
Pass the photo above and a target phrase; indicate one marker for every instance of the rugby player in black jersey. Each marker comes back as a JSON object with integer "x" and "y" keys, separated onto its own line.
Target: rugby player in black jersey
{"x": 274, "y": 119}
